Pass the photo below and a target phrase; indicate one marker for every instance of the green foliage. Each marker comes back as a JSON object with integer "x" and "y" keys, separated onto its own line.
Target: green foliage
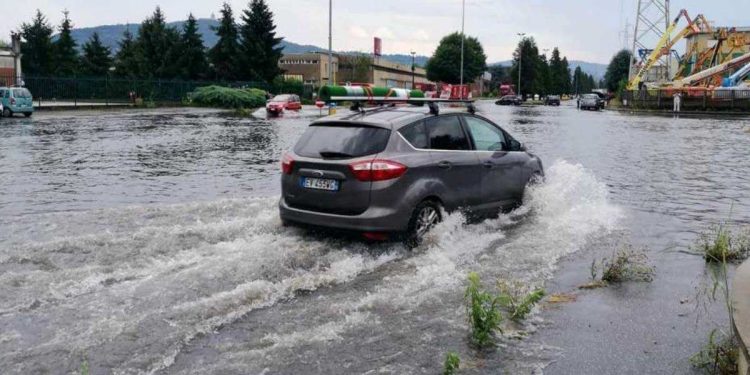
{"x": 84, "y": 369}
{"x": 582, "y": 83}
{"x": 452, "y": 363}
{"x": 287, "y": 86}
{"x": 37, "y": 51}
{"x": 65, "y": 53}
{"x": 158, "y": 47}
{"x": 516, "y": 299}
{"x": 444, "y": 65}
{"x": 627, "y": 264}
{"x": 355, "y": 67}
{"x": 618, "y": 70}
{"x": 721, "y": 245}
{"x": 127, "y": 60}
{"x": 484, "y": 317}
{"x": 192, "y": 61}
{"x": 719, "y": 356}
{"x": 559, "y": 74}
{"x": 96, "y": 59}
{"x": 224, "y": 54}
{"x": 259, "y": 47}
{"x": 225, "y": 97}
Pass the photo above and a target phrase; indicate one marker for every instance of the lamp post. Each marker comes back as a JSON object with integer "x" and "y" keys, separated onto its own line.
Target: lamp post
{"x": 413, "y": 67}
{"x": 463, "y": 14}
{"x": 330, "y": 42}
{"x": 520, "y": 60}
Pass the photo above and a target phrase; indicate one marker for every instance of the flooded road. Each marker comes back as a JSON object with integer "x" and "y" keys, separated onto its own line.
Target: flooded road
{"x": 149, "y": 242}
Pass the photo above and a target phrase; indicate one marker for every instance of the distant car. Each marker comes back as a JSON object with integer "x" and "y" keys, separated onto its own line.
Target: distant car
{"x": 590, "y": 102}
{"x": 601, "y": 99}
{"x": 279, "y": 103}
{"x": 509, "y": 100}
{"x": 16, "y": 100}
{"x": 392, "y": 171}
{"x": 552, "y": 100}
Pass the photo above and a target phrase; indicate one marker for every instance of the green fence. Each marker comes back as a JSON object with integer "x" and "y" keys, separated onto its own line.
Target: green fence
{"x": 104, "y": 91}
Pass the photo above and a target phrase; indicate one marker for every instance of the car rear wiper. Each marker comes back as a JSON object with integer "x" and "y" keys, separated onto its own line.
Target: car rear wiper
{"x": 334, "y": 154}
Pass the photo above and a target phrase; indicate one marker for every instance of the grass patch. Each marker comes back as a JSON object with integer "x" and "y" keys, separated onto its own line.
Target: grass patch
{"x": 517, "y": 299}
{"x": 719, "y": 356}
{"x": 452, "y": 363}
{"x": 482, "y": 308}
{"x": 720, "y": 244}
{"x": 226, "y": 97}
{"x": 626, "y": 264}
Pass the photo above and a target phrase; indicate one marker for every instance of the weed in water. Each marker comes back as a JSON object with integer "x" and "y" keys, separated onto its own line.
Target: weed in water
{"x": 84, "y": 370}
{"x": 718, "y": 356}
{"x": 452, "y": 362}
{"x": 517, "y": 299}
{"x": 720, "y": 244}
{"x": 594, "y": 269}
{"x": 482, "y": 308}
{"x": 627, "y": 264}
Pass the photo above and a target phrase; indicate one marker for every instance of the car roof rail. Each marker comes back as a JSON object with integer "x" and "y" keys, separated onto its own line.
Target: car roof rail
{"x": 432, "y": 103}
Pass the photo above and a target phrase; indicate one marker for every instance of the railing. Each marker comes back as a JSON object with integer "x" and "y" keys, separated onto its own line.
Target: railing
{"x": 691, "y": 99}
{"x": 119, "y": 91}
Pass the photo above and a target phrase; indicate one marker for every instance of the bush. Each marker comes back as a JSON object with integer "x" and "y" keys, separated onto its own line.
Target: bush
{"x": 482, "y": 308}
{"x": 225, "y": 97}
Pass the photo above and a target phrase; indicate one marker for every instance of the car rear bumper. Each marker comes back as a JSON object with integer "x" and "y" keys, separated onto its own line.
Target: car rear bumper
{"x": 374, "y": 219}
{"x": 15, "y": 109}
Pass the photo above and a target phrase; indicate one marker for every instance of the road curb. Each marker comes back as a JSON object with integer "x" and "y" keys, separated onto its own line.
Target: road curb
{"x": 741, "y": 315}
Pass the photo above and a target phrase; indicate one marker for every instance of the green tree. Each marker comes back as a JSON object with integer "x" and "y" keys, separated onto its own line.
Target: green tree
{"x": 499, "y": 76}
{"x": 528, "y": 54}
{"x": 617, "y": 71}
{"x": 96, "y": 59}
{"x": 127, "y": 62}
{"x": 564, "y": 78}
{"x": 65, "y": 53}
{"x": 224, "y": 54}
{"x": 355, "y": 67}
{"x": 37, "y": 51}
{"x": 192, "y": 61}
{"x": 543, "y": 82}
{"x": 259, "y": 47}
{"x": 444, "y": 65}
{"x": 156, "y": 44}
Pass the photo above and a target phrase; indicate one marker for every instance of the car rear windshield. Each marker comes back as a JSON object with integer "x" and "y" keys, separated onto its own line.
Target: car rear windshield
{"x": 21, "y": 93}
{"x": 341, "y": 141}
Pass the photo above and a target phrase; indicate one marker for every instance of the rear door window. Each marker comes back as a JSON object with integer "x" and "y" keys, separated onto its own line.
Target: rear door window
{"x": 446, "y": 133}
{"x": 487, "y": 137}
{"x": 341, "y": 141}
{"x": 416, "y": 135}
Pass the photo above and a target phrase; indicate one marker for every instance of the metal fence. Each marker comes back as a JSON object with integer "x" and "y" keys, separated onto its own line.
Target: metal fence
{"x": 692, "y": 99}
{"x": 118, "y": 91}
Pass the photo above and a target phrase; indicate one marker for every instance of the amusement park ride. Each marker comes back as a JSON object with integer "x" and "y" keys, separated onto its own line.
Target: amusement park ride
{"x": 721, "y": 66}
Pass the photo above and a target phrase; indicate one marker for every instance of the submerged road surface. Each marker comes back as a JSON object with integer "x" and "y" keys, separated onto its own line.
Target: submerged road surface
{"x": 149, "y": 242}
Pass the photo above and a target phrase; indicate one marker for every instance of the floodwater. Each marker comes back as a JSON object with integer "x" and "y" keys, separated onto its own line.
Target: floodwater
{"x": 149, "y": 242}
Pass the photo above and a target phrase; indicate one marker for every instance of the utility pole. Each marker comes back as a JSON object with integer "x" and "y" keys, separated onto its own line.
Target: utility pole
{"x": 413, "y": 67}
{"x": 650, "y": 16}
{"x": 463, "y": 12}
{"x": 520, "y": 60}
{"x": 330, "y": 42}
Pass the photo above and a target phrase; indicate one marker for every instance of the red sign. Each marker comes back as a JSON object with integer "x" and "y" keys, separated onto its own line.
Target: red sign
{"x": 378, "y": 47}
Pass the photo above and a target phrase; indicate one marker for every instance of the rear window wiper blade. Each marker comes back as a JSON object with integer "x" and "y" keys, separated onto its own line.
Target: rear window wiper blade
{"x": 334, "y": 154}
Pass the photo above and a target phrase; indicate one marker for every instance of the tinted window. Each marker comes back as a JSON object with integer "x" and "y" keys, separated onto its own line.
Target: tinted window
{"x": 416, "y": 135}
{"x": 487, "y": 137}
{"x": 446, "y": 133}
{"x": 341, "y": 142}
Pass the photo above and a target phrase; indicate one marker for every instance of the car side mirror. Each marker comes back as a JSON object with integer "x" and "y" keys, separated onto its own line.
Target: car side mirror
{"x": 521, "y": 147}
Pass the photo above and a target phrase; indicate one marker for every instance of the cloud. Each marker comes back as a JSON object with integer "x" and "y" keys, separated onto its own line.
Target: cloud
{"x": 385, "y": 33}
{"x": 358, "y": 32}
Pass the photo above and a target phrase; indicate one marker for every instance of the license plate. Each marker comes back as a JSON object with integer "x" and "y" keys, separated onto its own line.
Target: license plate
{"x": 320, "y": 184}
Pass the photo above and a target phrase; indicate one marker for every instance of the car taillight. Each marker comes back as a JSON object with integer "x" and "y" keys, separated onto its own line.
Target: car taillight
{"x": 377, "y": 170}
{"x": 287, "y": 164}
{"x": 12, "y": 100}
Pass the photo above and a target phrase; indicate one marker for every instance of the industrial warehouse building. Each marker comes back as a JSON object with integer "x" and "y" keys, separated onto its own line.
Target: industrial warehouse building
{"x": 10, "y": 61}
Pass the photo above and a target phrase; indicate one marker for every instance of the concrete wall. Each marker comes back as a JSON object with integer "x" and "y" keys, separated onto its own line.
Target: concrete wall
{"x": 741, "y": 318}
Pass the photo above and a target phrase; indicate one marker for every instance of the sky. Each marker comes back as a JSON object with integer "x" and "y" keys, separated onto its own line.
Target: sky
{"x": 588, "y": 30}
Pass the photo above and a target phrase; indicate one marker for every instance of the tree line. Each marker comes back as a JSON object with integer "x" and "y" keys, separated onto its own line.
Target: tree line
{"x": 248, "y": 51}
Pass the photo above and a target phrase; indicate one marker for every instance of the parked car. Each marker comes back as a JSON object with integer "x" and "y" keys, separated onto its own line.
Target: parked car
{"x": 389, "y": 172}
{"x": 279, "y": 103}
{"x": 16, "y": 100}
{"x": 509, "y": 100}
{"x": 552, "y": 100}
{"x": 589, "y": 101}
{"x": 601, "y": 99}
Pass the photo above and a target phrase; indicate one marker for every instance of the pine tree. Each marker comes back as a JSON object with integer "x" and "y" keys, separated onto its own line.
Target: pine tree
{"x": 37, "y": 51}
{"x": 224, "y": 54}
{"x": 192, "y": 62}
{"x": 544, "y": 77}
{"x": 259, "y": 47}
{"x": 96, "y": 59}
{"x": 66, "y": 55}
{"x": 564, "y": 78}
{"x": 528, "y": 54}
{"x": 557, "y": 85}
{"x": 127, "y": 61}
{"x": 157, "y": 44}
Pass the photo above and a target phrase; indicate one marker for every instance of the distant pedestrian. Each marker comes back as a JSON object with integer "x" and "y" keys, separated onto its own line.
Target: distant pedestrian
{"x": 677, "y": 102}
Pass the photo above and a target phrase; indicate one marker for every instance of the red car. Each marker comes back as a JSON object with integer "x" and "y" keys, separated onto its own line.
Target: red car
{"x": 279, "y": 103}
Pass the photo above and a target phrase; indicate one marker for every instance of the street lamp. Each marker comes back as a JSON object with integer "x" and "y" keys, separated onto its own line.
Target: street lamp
{"x": 463, "y": 14}
{"x": 413, "y": 67}
{"x": 520, "y": 60}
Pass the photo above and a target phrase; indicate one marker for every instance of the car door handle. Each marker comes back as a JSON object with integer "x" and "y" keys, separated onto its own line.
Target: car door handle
{"x": 488, "y": 164}
{"x": 445, "y": 164}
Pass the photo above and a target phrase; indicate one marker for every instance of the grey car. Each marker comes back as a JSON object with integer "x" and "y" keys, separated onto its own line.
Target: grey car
{"x": 390, "y": 171}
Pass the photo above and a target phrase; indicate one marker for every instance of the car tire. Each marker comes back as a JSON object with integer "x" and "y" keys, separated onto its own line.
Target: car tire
{"x": 28, "y": 114}
{"x": 425, "y": 216}
{"x": 7, "y": 112}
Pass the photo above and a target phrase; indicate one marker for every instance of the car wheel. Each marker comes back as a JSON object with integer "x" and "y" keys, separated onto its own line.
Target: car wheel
{"x": 28, "y": 114}
{"x": 7, "y": 112}
{"x": 425, "y": 216}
